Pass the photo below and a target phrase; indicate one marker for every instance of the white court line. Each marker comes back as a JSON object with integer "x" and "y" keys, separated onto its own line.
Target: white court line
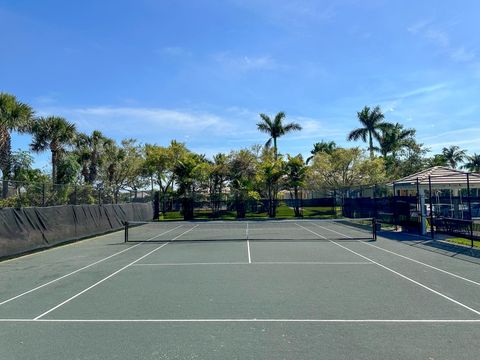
{"x": 424, "y": 264}
{"x": 76, "y": 271}
{"x": 407, "y": 258}
{"x": 313, "y": 232}
{"x": 109, "y": 276}
{"x": 261, "y": 263}
{"x": 333, "y": 321}
{"x": 186, "y": 232}
{"x": 407, "y": 278}
{"x": 336, "y": 232}
{"x": 248, "y": 246}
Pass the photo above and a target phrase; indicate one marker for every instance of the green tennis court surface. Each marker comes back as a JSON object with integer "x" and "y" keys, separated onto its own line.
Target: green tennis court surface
{"x": 277, "y": 290}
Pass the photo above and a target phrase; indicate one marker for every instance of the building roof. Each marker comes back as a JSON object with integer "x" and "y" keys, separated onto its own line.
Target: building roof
{"x": 439, "y": 176}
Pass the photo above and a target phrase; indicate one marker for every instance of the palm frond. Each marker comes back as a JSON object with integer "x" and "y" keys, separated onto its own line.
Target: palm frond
{"x": 360, "y": 133}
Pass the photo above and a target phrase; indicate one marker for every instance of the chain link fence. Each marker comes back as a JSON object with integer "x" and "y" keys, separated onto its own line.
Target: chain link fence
{"x": 26, "y": 194}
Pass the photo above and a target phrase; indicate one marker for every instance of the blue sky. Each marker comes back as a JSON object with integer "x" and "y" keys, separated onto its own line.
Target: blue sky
{"x": 201, "y": 71}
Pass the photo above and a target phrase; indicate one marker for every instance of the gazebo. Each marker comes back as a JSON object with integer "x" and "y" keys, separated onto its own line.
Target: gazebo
{"x": 451, "y": 193}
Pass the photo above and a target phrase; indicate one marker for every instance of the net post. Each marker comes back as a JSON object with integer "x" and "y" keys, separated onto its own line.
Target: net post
{"x": 126, "y": 230}
{"x": 374, "y": 227}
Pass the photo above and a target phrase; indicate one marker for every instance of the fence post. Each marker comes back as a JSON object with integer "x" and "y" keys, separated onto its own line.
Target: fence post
{"x": 395, "y": 222}
{"x": 419, "y": 209}
{"x": 43, "y": 194}
{"x": 75, "y": 194}
{"x": 431, "y": 206}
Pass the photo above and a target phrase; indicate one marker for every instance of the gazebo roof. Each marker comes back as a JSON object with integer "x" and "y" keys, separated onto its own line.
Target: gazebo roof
{"x": 439, "y": 176}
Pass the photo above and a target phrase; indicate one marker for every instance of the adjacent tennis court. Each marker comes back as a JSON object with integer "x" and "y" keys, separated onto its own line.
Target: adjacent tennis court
{"x": 240, "y": 289}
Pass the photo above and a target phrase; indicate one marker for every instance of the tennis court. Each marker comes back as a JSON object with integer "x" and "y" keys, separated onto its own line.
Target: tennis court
{"x": 239, "y": 290}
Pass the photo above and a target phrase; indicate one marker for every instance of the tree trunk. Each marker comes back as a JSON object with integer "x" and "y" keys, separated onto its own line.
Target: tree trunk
{"x": 370, "y": 141}
{"x": 275, "y": 148}
{"x": 297, "y": 207}
{"x": 54, "y": 166}
{"x": 5, "y": 159}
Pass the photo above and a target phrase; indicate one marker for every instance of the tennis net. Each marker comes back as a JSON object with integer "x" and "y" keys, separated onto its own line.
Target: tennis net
{"x": 266, "y": 230}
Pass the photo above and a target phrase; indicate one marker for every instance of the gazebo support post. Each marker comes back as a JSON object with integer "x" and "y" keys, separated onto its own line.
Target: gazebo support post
{"x": 431, "y": 206}
{"x": 469, "y": 208}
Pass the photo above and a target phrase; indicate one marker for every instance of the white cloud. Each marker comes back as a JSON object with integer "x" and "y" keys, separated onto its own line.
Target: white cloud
{"x": 174, "y": 51}
{"x": 246, "y": 63}
{"x": 462, "y": 55}
{"x": 442, "y": 40}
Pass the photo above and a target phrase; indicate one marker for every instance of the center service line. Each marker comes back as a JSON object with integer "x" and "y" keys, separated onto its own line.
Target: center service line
{"x": 108, "y": 277}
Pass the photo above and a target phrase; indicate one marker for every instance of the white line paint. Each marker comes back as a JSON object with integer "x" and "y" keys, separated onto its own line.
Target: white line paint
{"x": 333, "y": 321}
{"x": 109, "y": 276}
{"x": 407, "y": 278}
{"x": 163, "y": 233}
{"x": 335, "y": 232}
{"x": 407, "y": 258}
{"x": 186, "y": 232}
{"x": 261, "y": 263}
{"x": 424, "y": 264}
{"x": 411, "y": 280}
{"x": 74, "y": 272}
{"x": 313, "y": 232}
{"x": 248, "y": 246}
{"x": 98, "y": 282}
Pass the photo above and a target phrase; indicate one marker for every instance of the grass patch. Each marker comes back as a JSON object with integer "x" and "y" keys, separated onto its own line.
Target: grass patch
{"x": 463, "y": 241}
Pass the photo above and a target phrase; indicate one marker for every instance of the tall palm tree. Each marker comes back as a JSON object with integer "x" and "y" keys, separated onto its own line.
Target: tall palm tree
{"x": 14, "y": 116}
{"x": 322, "y": 146}
{"x": 454, "y": 155}
{"x": 54, "y": 133}
{"x": 396, "y": 138}
{"x": 373, "y": 124}
{"x": 275, "y": 128}
{"x": 90, "y": 150}
{"x": 473, "y": 163}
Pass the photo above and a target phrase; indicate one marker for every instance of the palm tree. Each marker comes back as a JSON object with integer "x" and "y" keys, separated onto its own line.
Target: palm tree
{"x": 323, "y": 146}
{"x": 275, "y": 128}
{"x": 454, "y": 155}
{"x": 396, "y": 138}
{"x": 373, "y": 124}
{"x": 14, "y": 116}
{"x": 53, "y": 133}
{"x": 90, "y": 150}
{"x": 473, "y": 163}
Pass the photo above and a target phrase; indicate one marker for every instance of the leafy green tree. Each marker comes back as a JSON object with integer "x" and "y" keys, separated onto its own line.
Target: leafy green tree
{"x": 160, "y": 164}
{"x": 373, "y": 124}
{"x": 242, "y": 169}
{"x": 473, "y": 163}
{"x": 54, "y": 133}
{"x": 275, "y": 128}
{"x": 395, "y": 138}
{"x": 410, "y": 161}
{"x": 296, "y": 171}
{"x": 218, "y": 175}
{"x": 269, "y": 174}
{"x": 187, "y": 171}
{"x": 437, "y": 160}
{"x": 122, "y": 167}
{"x": 344, "y": 168}
{"x": 14, "y": 116}
{"x": 454, "y": 155}
{"x": 323, "y": 146}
